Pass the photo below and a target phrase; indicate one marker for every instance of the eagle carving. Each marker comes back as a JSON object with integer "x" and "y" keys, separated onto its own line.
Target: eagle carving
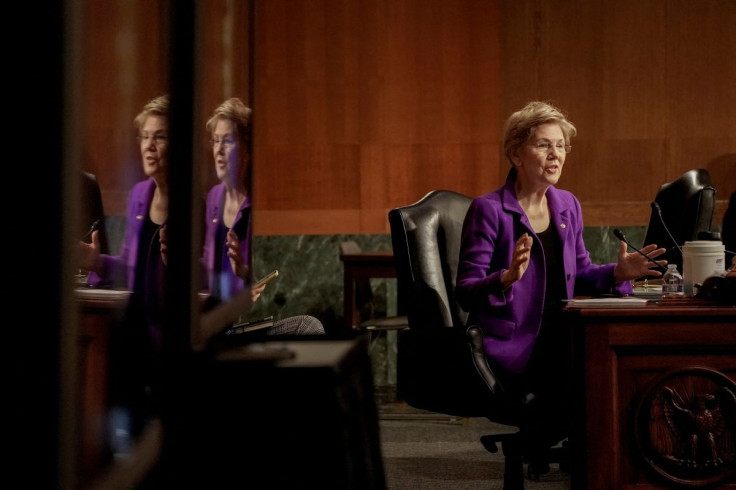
{"x": 699, "y": 421}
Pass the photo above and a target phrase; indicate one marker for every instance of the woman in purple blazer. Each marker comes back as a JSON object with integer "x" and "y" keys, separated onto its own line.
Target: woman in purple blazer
{"x": 136, "y": 343}
{"x": 522, "y": 253}
{"x": 226, "y": 254}
{"x": 138, "y": 267}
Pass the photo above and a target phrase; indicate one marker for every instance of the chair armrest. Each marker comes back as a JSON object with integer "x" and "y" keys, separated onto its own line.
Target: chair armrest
{"x": 475, "y": 338}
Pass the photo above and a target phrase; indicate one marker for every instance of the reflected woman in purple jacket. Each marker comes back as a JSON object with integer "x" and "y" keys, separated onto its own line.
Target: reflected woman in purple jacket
{"x": 136, "y": 343}
{"x": 226, "y": 254}
{"x": 522, "y": 253}
{"x": 138, "y": 266}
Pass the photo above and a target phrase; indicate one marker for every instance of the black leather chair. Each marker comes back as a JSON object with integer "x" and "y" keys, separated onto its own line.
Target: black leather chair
{"x": 687, "y": 204}
{"x": 441, "y": 365}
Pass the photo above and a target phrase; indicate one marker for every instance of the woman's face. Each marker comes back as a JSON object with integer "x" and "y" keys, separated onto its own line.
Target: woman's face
{"x": 539, "y": 161}
{"x": 154, "y": 141}
{"x": 228, "y": 151}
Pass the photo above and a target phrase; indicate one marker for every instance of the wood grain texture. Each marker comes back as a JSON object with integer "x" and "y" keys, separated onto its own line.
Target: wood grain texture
{"x": 364, "y": 105}
{"x": 369, "y": 105}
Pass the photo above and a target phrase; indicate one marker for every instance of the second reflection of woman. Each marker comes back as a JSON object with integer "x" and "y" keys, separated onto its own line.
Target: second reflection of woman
{"x": 227, "y": 252}
{"x": 136, "y": 343}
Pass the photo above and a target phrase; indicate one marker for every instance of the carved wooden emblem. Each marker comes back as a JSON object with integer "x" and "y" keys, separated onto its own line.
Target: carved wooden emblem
{"x": 686, "y": 427}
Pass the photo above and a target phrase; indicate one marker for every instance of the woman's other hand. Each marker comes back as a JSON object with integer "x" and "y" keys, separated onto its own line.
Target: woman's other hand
{"x": 633, "y": 265}
{"x": 236, "y": 257}
{"x": 89, "y": 254}
{"x": 519, "y": 261}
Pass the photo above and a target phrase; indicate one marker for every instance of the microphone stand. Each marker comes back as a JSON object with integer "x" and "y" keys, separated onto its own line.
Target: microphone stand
{"x": 655, "y": 206}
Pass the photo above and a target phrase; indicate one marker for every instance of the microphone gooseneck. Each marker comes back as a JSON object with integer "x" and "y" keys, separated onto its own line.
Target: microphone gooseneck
{"x": 95, "y": 226}
{"x": 655, "y": 206}
{"x": 620, "y": 235}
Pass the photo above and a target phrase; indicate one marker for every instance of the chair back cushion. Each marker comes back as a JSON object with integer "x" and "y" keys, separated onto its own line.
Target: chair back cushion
{"x": 426, "y": 244}
{"x": 687, "y": 205}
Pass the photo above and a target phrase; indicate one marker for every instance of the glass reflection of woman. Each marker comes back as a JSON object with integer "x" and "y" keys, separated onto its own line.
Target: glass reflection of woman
{"x": 136, "y": 344}
{"x": 228, "y": 234}
{"x": 227, "y": 250}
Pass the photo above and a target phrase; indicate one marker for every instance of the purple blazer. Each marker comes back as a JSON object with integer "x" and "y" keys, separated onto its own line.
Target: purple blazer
{"x": 511, "y": 319}
{"x": 119, "y": 270}
{"x": 243, "y": 228}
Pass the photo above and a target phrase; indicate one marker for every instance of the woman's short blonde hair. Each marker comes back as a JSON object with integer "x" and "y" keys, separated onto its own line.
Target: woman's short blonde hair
{"x": 233, "y": 109}
{"x": 520, "y": 126}
{"x": 156, "y": 107}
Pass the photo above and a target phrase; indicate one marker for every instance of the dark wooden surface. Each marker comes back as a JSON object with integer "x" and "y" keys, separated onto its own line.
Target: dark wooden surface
{"x": 362, "y": 265}
{"x": 618, "y": 353}
{"x": 98, "y": 311}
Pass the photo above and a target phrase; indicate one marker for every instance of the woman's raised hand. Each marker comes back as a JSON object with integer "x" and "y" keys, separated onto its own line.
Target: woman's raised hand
{"x": 519, "y": 261}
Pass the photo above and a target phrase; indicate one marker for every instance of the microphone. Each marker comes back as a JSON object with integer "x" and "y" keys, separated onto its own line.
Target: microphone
{"x": 95, "y": 226}
{"x": 655, "y": 207}
{"x": 620, "y": 235}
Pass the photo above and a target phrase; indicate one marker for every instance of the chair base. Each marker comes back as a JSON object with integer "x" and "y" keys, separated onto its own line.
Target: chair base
{"x": 513, "y": 475}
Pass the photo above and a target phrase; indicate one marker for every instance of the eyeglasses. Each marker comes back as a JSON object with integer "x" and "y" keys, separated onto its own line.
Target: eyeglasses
{"x": 226, "y": 142}
{"x": 545, "y": 147}
{"x": 157, "y": 138}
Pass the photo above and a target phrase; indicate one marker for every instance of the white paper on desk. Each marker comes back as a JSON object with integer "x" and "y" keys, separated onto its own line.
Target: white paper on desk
{"x": 607, "y": 302}
{"x": 101, "y": 293}
{"x": 651, "y": 292}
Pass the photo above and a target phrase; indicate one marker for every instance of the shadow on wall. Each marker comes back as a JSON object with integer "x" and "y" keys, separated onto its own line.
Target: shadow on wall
{"x": 722, "y": 171}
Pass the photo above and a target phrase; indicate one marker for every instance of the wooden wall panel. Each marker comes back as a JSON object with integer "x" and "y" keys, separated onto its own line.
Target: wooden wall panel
{"x": 224, "y": 70}
{"x": 644, "y": 82}
{"x": 125, "y": 65}
{"x": 367, "y": 105}
{"x": 364, "y": 105}
{"x": 702, "y": 67}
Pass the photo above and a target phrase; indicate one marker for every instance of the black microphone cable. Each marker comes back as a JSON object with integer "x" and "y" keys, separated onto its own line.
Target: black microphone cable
{"x": 655, "y": 207}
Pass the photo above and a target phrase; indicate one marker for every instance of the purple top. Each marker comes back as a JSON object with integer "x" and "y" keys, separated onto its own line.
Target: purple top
{"x": 143, "y": 275}
{"x": 511, "y": 319}
{"x": 120, "y": 270}
{"x": 218, "y": 274}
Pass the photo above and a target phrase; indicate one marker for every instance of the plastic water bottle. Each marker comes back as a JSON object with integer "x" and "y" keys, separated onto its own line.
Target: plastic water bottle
{"x": 672, "y": 284}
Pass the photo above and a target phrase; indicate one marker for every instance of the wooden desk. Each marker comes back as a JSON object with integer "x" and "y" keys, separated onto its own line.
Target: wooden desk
{"x": 358, "y": 266}
{"x": 626, "y": 360}
{"x": 99, "y": 309}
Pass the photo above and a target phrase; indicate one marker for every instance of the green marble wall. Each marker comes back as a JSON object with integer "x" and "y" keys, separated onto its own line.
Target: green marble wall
{"x": 311, "y": 279}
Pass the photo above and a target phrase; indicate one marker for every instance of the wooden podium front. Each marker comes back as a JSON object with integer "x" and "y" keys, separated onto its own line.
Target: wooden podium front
{"x": 99, "y": 310}
{"x": 658, "y": 396}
